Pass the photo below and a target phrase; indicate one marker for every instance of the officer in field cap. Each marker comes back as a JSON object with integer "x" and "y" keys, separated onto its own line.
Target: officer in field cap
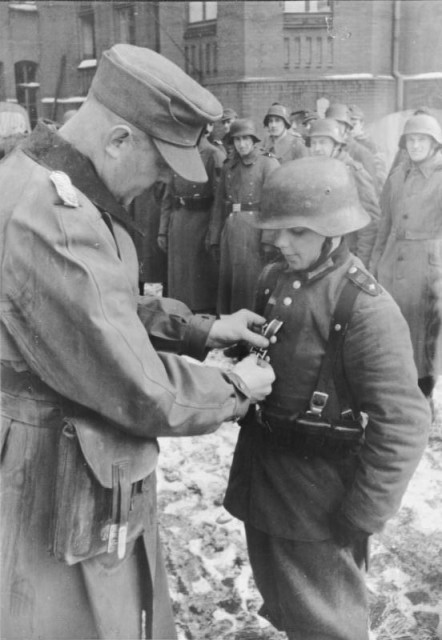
{"x": 84, "y": 392}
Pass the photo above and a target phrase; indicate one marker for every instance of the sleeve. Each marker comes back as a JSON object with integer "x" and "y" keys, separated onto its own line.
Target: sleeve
{"x": 166, "y": 209}
{"x": 366, "y": 237}
{"x": 379, "y": 364}
{"x": 384, "y": 227}
{"x": 217, "y": 215}
{"x": 74, "y": 318}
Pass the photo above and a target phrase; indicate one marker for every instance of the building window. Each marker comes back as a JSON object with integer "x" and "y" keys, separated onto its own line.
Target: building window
{"x": 87, "y": 24}
{"x": 125, "y": 24}
{"x": 202, "y": 11}
{"x": 26, "y": 87}
{"x": 208, "y": 56}
{"x": 307, "y": 6}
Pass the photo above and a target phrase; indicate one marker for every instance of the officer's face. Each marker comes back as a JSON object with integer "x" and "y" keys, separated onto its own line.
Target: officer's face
{"x": 358, "y": 127}
{"x": 276, "y": 126}
{"x": 321, "y": 146}
{"x": 299, "y": 246}
{"x": 243, "y": 145}
{"x": 419, "y": 146}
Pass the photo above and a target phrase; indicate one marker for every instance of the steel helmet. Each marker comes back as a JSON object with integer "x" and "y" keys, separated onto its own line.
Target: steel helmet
{"x": 244, "y": 127}
{"x": 228, "y": 114}
{"x": 279, "y": 111}
{"x": 325, "y": 127}
{"x": 424, "y": 124}
{"x": 356, "y": 112}
{"x": 319, "y": 194}
{"x": 339, "y": 112}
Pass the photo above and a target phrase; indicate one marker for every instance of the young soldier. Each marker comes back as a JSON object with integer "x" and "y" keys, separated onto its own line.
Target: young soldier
{"x": 325, "y": 461}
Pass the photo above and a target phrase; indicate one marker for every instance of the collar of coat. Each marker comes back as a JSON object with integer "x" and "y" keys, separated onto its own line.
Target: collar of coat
{"x": 46, "y": 147}
{"x": 325, "y": 264}
{"x": 251, "y": 158}
{"x": 427, "y": 167}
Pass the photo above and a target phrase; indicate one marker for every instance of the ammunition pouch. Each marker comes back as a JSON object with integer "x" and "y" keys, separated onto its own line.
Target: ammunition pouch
{"x": 311, "y": 435}
{"x": 104, "y": 491}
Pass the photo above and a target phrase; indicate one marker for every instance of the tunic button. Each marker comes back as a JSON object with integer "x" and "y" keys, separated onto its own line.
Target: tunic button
{"x": 287, "y": 301}
{"x": 338, "y": 327}
{"x": 371, "y": 287}
{"x": 266, "y": 292}
{"x": 296, "y": 284}
{"x": 352, "y": 270}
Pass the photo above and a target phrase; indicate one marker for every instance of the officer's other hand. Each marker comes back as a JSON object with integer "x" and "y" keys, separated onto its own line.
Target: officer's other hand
{"x": 239, "y": 326}
{"x": 162, "y": 243}
{"x": 344, "y": 532}
{"x": 257, "y": 375}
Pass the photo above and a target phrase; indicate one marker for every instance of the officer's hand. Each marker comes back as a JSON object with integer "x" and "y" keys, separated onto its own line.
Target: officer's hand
{"x": 162, "y": 243}
{"x": 257, "y": 375}
{"x": 344, "y": 532}
{"x": 235, "y": 328}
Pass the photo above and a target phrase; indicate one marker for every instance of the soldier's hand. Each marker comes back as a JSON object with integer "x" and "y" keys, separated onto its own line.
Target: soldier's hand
{"x": 239, "y": 326}
{"x": 162, "y": 243}
{"x": 257, "y": 375}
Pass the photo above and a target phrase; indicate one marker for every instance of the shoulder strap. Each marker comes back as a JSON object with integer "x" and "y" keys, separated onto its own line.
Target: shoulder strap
{"x": 333, "y": 353}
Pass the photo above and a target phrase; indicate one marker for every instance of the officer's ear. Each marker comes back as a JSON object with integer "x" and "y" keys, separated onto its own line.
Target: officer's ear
{"x": 118, "y": 137}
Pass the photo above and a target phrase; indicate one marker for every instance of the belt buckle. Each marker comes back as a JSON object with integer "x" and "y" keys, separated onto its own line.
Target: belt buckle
{"x": 318, "y": 402}
{"x": 236, "y": 207}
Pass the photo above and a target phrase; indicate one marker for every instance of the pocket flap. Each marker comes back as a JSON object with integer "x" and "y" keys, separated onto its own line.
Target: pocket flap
{"x": 103, "y": 446}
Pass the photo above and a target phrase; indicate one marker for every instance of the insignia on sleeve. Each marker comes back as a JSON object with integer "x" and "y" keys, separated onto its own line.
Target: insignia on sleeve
{"x": 64, "y": 188}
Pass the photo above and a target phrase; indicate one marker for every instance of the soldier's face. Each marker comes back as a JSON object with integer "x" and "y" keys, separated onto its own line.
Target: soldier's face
{"x": 276, "y": 126}
{"x": 227, "y": 124}
{"x": 321, "y": 146}
{"x": 300, "y": 247}
{"x": 419, "y": 146}
{"x": 243, "y": 145}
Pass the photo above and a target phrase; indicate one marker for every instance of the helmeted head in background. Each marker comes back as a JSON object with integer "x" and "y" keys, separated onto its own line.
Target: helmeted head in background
{"x": 341, "y": 113}
{"x": 244, "y": 137}
{"x": 422, "y": 137}
{"x": 156, "y": 96}
{"x": 228, "y": 118}
{"x": 324, "y": 137}
{"x": 277, "y": 120}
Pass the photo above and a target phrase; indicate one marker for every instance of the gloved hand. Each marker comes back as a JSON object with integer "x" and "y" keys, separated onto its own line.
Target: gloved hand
{"x": 344, "y": 532}
{"x": 162, "y": 243}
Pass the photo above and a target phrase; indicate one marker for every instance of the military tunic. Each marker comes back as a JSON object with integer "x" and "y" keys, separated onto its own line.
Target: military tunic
{"x": 76, "y": 339}
{"x": 311, "y": 587}
{"x": 185, "y": 217}
{"x": 407, "y": 256}
{"x": 285, "y": 148}
{"x": 239, "y": 193}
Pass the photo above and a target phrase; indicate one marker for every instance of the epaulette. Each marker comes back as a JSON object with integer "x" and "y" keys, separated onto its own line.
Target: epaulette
{"x": 363, "y": 280}
{"x": 64, "y": 188}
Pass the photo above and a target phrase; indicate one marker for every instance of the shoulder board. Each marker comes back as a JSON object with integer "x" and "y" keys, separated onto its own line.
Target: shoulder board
{"x": 64, "y": 188}
{"x": 363, "y": 280}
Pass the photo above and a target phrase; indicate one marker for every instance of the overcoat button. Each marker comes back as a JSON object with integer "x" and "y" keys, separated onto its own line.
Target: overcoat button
{"x": 287, "y": 301}
{"x": 296, "y": 284}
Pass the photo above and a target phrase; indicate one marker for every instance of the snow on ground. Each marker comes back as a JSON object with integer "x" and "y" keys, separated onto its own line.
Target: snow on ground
{"x": 211, "y": 583}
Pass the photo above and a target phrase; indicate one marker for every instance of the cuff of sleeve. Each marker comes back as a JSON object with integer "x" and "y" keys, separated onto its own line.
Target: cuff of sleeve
{"x": 195, "y": 338}
{"x": 243, "y": 394}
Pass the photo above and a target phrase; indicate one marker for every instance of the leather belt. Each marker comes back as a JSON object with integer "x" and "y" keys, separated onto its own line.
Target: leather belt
{"x": 193, "y": 204}
{"x": 237, "y": 207}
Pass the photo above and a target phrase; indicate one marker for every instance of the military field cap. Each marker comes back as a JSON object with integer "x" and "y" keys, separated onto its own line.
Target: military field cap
{"x": 228, "y": 114}
{"x": 423, "y": 124}
{"x": 319, "y": 194}
{"x": 279, "y": 111}
{"x": 155, "y": 95}
{"x": 327, "y": 127}
{"x": 356, "y": 112}
{"x": 339, "y": 112}
{"x": 244, "y": 127}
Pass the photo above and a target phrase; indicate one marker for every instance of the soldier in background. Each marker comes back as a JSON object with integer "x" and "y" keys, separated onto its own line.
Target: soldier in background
{"x": 185, "y": 215}
{"x": 360, "y": 153}
{"x": 325, "y": 139}
{"x": 407, "y": 257}
{"x": 241, "y": 253}
{"x": 280, "y": 143}
{"x": 228, "y": 118}
{"x": 360, "y": 135}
